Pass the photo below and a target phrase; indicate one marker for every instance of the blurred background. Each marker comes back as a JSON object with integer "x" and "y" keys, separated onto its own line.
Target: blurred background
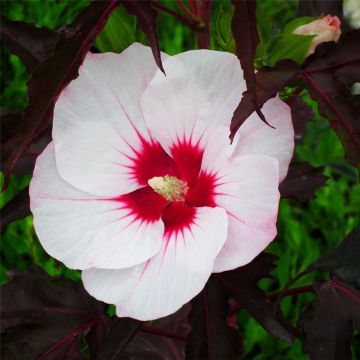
{"x": 305, "y": 230}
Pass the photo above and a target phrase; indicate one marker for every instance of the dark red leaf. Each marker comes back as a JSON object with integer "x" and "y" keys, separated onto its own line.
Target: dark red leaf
{"x": 43, "y": 89}
{"x": 342, "y": 260}
{"x": 42, "y": 317}
{"x": 31, "y": 44}
{"x": 119, "y": 334}
{"x": 269, "y": 82}
{"x": 16, "y": 209}
{"x": 320, "y": 8}
{"x": 328, "y": 323}
{"x": 301, "y": 114}
{"x": 163, "y": 339}
{"x": 242, "y": 283}
{"x": 302, "y": 181}
{"x": 323, "y": 75}
{"x": 211, "y": 337}
{"x": 10, "y": 125}
{"x": 146, "y": 16}
{"x": 244, "y": 29}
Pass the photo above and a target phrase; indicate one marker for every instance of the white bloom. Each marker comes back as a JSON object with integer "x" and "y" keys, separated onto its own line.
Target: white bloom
{"x": 122, "y": 126}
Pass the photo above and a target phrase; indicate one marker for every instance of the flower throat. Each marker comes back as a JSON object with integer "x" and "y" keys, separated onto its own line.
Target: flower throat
{"x": 169, "y": 187}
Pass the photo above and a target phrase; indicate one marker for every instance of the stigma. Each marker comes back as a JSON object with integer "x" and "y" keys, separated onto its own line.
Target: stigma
{"x": 169, "y": 187}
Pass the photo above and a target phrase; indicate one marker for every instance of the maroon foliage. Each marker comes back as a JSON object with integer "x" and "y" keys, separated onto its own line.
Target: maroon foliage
{"x": 323, "y": 75}
{"x": 33, "y": 45}
{"x": 327, "y": 74}
{"x": 146, "y": 16}
{"x": 242, "y": 283}
{"x": 343, "y": 260}
{"x": 321, "y": 8}
{"x": 269, "y": 82}
{"x": 42, "y": 317}
{"x": 51, "y": 318}
{"x": 16, "y": 209}
{"x": 246, "y": 37}
{"x": 301, "y": 114}
{"x": 211, "y": 337}
{"x": 164, "y": 339}
{"x": 10, "y": 125}
{"x": 302, "y": 181}
{"x": 329, "y": 322}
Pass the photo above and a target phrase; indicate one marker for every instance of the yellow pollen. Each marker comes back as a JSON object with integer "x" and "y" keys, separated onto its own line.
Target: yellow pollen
{"x": 169, "y": 187}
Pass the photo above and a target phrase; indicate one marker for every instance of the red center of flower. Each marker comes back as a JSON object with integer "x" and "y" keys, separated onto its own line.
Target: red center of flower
{"x": 189, "y": 187}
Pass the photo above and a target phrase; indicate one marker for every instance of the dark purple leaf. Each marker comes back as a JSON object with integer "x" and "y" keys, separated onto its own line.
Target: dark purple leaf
{"x": 269, "y": 82}
{"x": 301, "y": 114}
{"x": 211, "y": 337}
{"x": 244, "y": 29}
{"x": 43, "y": 89}
{"x": 146, "y": 16}
{"x": 31, "y": 44}
{"x": 10, "y": 125}
{"x": 16, "y": 209}
{"x": 43, "y": 317}
{"x": 323, "y": 75}
{"x": 342, "y": 260}
{"x": 328, "y": 323}
{"x": 321, "y": 7}
{"x": 242, "y": 283}
{"x": 302, "y": 181}
{"x": 164, "y": 339}
{"x": 119, "y": 334}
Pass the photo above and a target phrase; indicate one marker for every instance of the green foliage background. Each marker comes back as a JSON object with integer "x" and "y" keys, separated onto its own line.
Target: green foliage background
{"x": 305, "y": 230}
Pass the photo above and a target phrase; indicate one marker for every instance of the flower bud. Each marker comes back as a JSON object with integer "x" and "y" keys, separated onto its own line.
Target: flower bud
{"x": 325, "y": 29}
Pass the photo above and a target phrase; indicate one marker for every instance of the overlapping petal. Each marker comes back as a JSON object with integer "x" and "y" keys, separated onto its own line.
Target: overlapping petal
{"x": 248, "y": 190}
{"x": 85, "y": 231}
{"x": 163, "y": 284}
{"x": 255, "y": 137}
{"x": 98, "y": 128}
{"x": 199, "y": 93}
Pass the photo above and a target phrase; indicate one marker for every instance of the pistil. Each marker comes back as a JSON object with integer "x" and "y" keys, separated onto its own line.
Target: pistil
{"x": 169, "y": 187}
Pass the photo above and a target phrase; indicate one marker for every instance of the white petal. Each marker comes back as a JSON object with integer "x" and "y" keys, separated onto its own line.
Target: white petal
{"x": 170, "y": 279}
{"x": 82, "y": 230}
{"x": 199, "y": 93}
{"x": 98, "y": 122}
{"x": 248, "y": 190}
{"x": 218, "y": 150}
{"x": 255, "y": 137}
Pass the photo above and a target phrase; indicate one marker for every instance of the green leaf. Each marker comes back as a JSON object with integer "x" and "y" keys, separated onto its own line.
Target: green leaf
{"x": 223, "y": 34}
{"x": 285, "y": 46}
{"x": 119, "y": 32}
{"x": 292, "y": 25}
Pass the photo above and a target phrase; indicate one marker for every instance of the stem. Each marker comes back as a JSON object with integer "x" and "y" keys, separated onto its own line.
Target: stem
{"x": 204, "y": 13}
{"x": 290, "y": 292}
{"x": 183, "y": 19}
{"x": 168, "y": 334}
{"x": 273, "y": 296}
{"x": 68, "y": 338}
{"x": 185, "y": 9}
{"x": 338, "y": 286}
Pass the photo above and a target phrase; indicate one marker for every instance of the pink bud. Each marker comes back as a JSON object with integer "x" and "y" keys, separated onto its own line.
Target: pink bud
{"x": 325, "y": 29}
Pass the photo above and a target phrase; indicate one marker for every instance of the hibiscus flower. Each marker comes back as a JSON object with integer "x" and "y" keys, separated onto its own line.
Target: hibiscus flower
{"x": 140, "y": 187}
